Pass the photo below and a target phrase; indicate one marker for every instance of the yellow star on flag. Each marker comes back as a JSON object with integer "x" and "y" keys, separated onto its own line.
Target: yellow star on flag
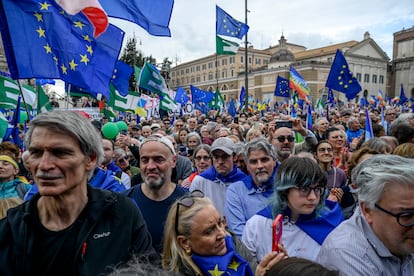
{"x": 73, "y": 65}
{"x": 47, "y": 48}
{"x": 234, "y": 265}
{"x": 41, "y": 32}
{"x": 79, "y": 24}
{"x": 44, "y": 6}
{"x": 216, "y": 272}
{"x": 64, "y": 69}
{"x": 56, "y": 60}
{"x": 84, "y": 59}
{"x": 87, "y": 38}
{"x": 38, "y": 16}
{"x": 89, "y": 49}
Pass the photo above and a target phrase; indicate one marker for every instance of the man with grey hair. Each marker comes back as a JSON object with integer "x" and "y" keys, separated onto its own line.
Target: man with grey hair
{"x": 379, "y": 238}
{"x": 68, "y": 227}
{"x": 215, "y": 181}
{"x": 155, "y": 195}
{"x": 248, "y": 196}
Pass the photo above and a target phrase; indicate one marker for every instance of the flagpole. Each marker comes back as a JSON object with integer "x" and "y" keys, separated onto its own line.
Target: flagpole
{"x": 24, "y": 101}
{"x": 246, "y": 76}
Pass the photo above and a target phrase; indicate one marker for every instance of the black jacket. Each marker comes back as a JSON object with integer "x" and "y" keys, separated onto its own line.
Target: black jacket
{"x": 112, "y": 231}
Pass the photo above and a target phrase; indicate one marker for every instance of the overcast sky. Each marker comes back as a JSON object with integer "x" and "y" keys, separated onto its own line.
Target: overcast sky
{"x": 312, "y": 24}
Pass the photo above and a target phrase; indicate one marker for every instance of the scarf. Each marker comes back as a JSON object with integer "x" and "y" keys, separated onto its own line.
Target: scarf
{"x": 235, "y": 175}
{"x": 316, "y": 227}
{"x": 230, "y": 263}
{"x": 266, "y": 188}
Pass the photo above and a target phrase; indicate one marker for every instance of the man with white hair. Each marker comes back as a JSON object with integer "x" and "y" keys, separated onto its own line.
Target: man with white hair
{"x": 379, "y": 237}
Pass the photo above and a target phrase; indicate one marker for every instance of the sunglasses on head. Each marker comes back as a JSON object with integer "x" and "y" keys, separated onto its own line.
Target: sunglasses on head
{"x": 282, "y": 138}
{"x": 186, "y": 201}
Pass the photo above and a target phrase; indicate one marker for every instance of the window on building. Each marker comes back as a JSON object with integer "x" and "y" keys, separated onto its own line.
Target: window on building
{"x": 192, "y": 79}
{"x": 187, "y": 70}
{"x": 374, "y": 78}
{"x": 204, "y": 66}
{"x": 265, "y": 62}
{"x": 231, "y": 60}
{"x": 198, "y": 79}
{"x": 188, "y": 80}
{"x": 258, "y": 61}
{"x": 192, "y": 69}
{"x": 241, "y": 59}
{"x": 250, "y": 60}
{"x": 224, "y": 74}
{"x": 224, "y": 62}
{"x": 232, "y": 73}
{"x": 381, "y": 79}
{"x": 210, "y": 65}
{"x": 358, "y": 76}
{"x": 178, "y": 82}
{"x": 198, "y": 68}
{"x": 210, "y": 76}
{"x": 182, "y": 71}
{"x": 366, "y": 78}
{"x": 204, "y": 77}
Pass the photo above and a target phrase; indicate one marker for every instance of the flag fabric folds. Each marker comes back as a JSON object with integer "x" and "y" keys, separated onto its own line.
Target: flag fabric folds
{"x": 232, "y": 108}
{"x": 242, "y": 97}
{"x": 403, "y": 98}
{"x": 120, "y": 77}
{"x": 229, "y": 32}
{"x": 152, "y": 15}
{"x": 217, "y": 102}
{"x": 150, "y": 79}
{"x": 309, "y": 119}
{"x": 282, "y": 87}
{"x": 340, "y": 78}
{"x": 369, "y": 133}
{"x": 62, "y": 46}
{"x": 181, "y": 96}
{"x": 298, "y": 83}
{"x": 9, "y": 93}
{"x": 228, "y": 26}
{"x": 201, "y": 99}
{"x": 331, "y": 97}
{"x": 15, "y": 122}
{"x": 43, "y": 103}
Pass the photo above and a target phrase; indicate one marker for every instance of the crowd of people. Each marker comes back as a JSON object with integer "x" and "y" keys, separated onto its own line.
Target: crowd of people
{"x": 197, "y": 195}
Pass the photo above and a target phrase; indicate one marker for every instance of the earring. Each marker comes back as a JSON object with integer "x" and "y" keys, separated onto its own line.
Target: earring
{"x": 188, "y": 251}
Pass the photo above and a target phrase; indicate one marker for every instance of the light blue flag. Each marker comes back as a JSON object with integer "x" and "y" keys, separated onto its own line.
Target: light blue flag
{"x": 369, "y": 133}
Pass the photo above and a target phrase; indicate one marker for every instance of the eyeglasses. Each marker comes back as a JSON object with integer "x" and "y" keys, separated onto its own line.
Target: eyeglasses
{"x": 390, "y": 114}
{"x": 186, "y": 201}
{"x": 282, "y": 138}
{"x": 204, "y": 158}
{"x": 122, "y": 160}
{"x": 305, "y": 191}
{"x": 325, "y": 149}
{"x": 404, "y": 218}
{"x": 179, "y": 125}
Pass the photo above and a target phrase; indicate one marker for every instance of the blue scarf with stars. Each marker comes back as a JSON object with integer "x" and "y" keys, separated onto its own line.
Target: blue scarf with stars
{"x": 235, "y": 175}
{"x": 230, "y": 263}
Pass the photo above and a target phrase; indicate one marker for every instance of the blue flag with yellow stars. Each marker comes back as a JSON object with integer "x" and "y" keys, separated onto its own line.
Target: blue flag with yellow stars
{"x": 341, "y": 78}
{"x": 41, "y": 40}
{"x": 230, "y": 263}
{"x": 201, "y": 99}
{"x": 282, "y": 87}
{"x": 228, "y": 26}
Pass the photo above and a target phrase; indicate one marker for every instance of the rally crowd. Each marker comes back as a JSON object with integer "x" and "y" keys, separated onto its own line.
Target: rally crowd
{"x": 197, "y": 195}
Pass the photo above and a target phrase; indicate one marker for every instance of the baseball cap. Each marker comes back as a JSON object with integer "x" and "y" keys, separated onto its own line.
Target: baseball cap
{"x": 225, "y": 144}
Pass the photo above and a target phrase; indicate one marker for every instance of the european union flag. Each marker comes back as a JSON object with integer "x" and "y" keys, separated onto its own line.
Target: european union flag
{"x": 341, "y": 79}
{"x": 242, "y": 97}
{"x": 228, "y": 26}
{"x": 331, "y": 97}
{"x": 42, "y": 41}
{"x": 403, "y": 98}
{"x": 201, "y": 99}
{"x": 181, "y": 97}
{"x": 152, "y": 15}
{"x": 282, "y": 87}
{"x": 232, "y": 108}
{"x": 120, "y": 77}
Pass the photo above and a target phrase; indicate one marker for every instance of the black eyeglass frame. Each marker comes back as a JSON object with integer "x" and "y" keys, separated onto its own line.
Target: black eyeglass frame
{"x": 282, "y": 138}
{"x": 305, "y": 191}
{"x": 397, "y": 215}
{"x": 187, "y": 201}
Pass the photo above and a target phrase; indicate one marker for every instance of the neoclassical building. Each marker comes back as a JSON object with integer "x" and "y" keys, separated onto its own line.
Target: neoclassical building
{"x": 366, "y": 60}
{"x": 402, "y": 70}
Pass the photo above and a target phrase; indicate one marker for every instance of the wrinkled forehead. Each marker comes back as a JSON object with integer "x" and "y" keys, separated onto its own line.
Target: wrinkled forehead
{"x": 283, "y": 131}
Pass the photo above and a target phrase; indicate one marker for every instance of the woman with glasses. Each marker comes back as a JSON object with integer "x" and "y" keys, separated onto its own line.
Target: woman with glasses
{"x": 196, "y": 242}
{"x": 201, "y": 160}
{"x": 308, "y": 218}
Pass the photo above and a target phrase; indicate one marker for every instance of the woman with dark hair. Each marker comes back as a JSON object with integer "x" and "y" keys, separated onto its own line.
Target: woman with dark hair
{"x": 308, "y": 218}
{"x": 201, "y": 160}
{"x": 196, "y": 242}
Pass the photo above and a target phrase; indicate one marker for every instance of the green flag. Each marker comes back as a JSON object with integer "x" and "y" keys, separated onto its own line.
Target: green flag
{"x": 167, "y": 103}
{"x": 9, "y": 93}
{"x": 150, "y": 79}
{"x": 120, "y": 103}
{"x": 217, "y": 102}
{"x": 226, "y": 47}
{"x": 43, "y": 103}
{"x": 4, "y": 124}
{"x": 137, "y": 73}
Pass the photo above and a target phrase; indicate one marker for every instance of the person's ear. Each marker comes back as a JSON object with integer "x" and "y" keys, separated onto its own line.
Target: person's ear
{"x": 184, "y": 242}
{"x": 367, "y": 212}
